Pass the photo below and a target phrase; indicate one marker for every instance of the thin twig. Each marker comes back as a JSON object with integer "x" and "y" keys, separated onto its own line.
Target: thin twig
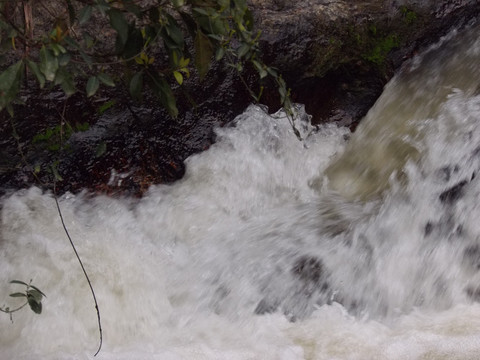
{"x": 83, "y": 268}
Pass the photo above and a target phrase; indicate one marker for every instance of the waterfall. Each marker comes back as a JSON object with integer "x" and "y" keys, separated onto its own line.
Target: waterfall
{"x": 343, "y": 246}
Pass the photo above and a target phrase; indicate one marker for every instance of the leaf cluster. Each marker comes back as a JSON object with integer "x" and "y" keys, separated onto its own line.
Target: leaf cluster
{"x": 33, "y": 298}
{"x": 157, "y": 45}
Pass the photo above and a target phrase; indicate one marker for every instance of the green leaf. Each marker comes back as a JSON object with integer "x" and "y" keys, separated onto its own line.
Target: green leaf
{"x": 106, "y": 106}
{"x": 64, "y": 59}
{"x": 119, "y": 23}
{"x": 18, "y": 295}
{"x": 106, "y": 79}
{"x": 248, "y": 19}
{"x": 136, "y": 85}
{"x": 203, "y": 53}
{"x": 56, "y": 174}
{"x": 57, "y": 49}
{"x": 68, "y": 86}
{"x": 272, "y": 72}
{"x": 34, "y": 305}
{"x": 134, "y": 43}
{"x": 85, "y": 14}
{"x": 10, "y": 83}
{"x": 87, "y": 58}
{"x": 18, "y": 282}
{"x": 48, "y": 64}
{"x": 34, "y": 287}
{"x": 220, "y": 54}
{"x": 161, "y": 88}
{"x": 178, "y": 3}
{"x": 178, "y": 77}
{"x": 174, "y": 33}
{"x": 92, "y": 85}
{"x": 65, "y": 80}
{"x": 37, "y": 295}
{"x": 243, "y": 50}
{"x": 36, "y": 71}
{"x": 201, "y": 11}
{"x": 260, "y": 69}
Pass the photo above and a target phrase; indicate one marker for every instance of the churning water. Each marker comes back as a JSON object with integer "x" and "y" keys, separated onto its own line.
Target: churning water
{"x": 363, "y": 246}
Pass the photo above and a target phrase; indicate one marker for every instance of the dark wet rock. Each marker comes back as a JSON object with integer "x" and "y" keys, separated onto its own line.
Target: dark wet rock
{"x": 266, "y": 306}
{"x": 473, "y": 293}
{"x": 447, "y": 227}
{"x": 308, "y": 287}
{"x": 308, "y": 269}
{"x": 445, "y": 173}
{"x": 471, "y": 256}
{"x": 454, "y": 193}
{"x": 428, "y": 228}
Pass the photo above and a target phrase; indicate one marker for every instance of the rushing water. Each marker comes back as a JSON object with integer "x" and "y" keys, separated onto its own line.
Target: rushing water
{"x": 344, "y": 246}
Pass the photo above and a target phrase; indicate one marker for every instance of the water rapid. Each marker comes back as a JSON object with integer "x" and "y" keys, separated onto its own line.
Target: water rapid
{"x": 343, "y": 246}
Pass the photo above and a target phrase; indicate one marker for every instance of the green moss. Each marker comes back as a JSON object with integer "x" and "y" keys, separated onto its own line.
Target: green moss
{"x": 380, "y": 48}
{"x": 409, "y": 16}
{"x": 367, "y": 44}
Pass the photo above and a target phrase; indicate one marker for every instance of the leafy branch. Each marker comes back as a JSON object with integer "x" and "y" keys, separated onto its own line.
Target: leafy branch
{"x": 33, "y": 298}
{"x": 157, "y": 46}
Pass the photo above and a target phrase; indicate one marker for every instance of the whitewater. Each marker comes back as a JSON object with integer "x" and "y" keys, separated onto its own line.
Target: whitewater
{"x": 345, "y": 245}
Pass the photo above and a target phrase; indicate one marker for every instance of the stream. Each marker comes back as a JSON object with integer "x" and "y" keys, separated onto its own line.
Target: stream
{"x": 345, "y": 245}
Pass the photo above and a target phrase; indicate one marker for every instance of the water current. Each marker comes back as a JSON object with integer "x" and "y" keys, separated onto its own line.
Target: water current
{"x": 343, "y": 246}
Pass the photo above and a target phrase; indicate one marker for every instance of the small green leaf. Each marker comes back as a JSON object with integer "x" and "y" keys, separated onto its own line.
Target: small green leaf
{"x": 36, "y": 71}
{"x": 178, "y": 3}
{"x": 136, "y": 85}
{"x": 119, "y": 23}
{"x": 65, "y": 80}
{"x": 18, "y": 282}
{"x": 106, "y": 106}
{"x": 248, "y": 19}
{"x": 161, "y": 88}
{"x": 260, "y": 69}
{"x": 35, "y": 305}
{"x": 10, "y": 84}
{"x": 17, "y": 294}
{"x": 57, "y": 49}
{"x": 56, "y": 174}
{"x": 48, "y": 64}
{"x": 64, "y": 59}
{"x": 243, "y": 50}
{"x": 92, "y": 85}
{"x": 87, "y": 58}
{"x": 37, "y": 295}
{"x": 220, "y": 54}
{"x": 178, "y": 77}
{"x": 34, "y": 287}
{"x": 174, "y": 33}
{"x": 106, "y": 79}
{"x": 203, "y": 53}
{"x": 133, "y": 44}
{"x": 85, "y": 14}
{"x": 272, "y": 72}
{"x": 68, "y": 86}
{"x": 201, "y": 11}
